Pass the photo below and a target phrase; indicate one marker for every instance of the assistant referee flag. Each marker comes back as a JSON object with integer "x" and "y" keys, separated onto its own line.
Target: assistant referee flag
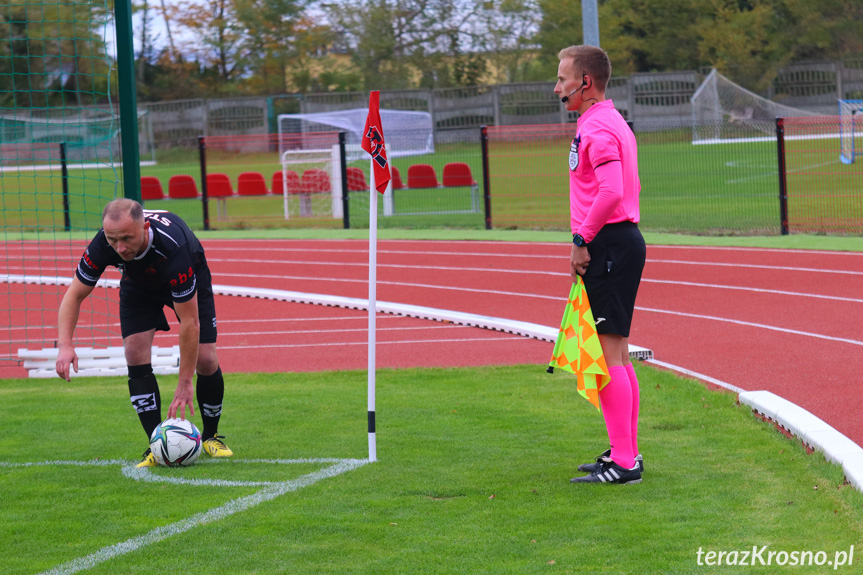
{"x": 577, "y": 349}
{"x": 373, "y": 142}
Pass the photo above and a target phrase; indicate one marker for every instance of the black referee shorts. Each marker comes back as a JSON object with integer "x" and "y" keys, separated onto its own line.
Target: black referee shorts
{"x": 617, "y": 255}
{"x": 140, "y": 312}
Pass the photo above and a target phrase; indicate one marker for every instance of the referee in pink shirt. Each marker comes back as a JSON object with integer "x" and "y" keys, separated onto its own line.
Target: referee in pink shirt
{"x": 608, "y": 250}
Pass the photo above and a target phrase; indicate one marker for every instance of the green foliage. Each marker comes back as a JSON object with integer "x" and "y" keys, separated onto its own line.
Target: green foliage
{"x": 41, "y": 43}
{"x": 748, "y": 39}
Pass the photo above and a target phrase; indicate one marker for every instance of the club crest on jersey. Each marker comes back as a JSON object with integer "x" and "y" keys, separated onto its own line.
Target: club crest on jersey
{"x": 573, "y": 153}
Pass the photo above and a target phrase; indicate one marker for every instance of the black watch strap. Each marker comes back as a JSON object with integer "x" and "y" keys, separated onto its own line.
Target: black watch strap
{"x": 578, "y": 240}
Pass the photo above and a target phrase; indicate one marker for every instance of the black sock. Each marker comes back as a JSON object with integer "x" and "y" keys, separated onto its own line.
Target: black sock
{"x": 144, "y": 393}
{"x": 210, "y": 390}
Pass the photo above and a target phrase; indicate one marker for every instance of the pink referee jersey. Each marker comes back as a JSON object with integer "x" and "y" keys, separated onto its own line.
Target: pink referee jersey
{"x": 602, "y": 136}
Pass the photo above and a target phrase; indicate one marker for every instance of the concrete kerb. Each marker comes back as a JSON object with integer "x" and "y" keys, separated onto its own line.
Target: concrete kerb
{"x": 812, "y": 431}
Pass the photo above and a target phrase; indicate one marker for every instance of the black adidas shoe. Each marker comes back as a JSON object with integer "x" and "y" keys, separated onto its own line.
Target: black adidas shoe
{"x": 606, "y": 456}
{"x": 610, "y": 472}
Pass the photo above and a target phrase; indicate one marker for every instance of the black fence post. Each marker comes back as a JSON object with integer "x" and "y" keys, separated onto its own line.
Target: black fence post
{"x": 205, "y": 201}
{"x": 343, "y": 170}
{"x": 486, "y": 184}
{"x": 783, "y": 181}
{"x": 64, "y": 171}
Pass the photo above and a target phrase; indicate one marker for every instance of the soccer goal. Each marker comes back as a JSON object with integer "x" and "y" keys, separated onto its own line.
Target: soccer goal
{"x": 850, "y": 129}
{"x": 91, "y": 138}
{"x": 311, "y": 183}
{"x": 723, "y": 111}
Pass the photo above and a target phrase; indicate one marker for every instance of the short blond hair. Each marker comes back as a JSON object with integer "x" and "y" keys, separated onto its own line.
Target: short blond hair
{"x": 592, "y": 60}
{"x": 116, "y": 210}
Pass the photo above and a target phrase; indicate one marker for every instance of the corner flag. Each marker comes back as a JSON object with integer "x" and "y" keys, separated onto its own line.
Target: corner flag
{"x": 373, "y": 142}
{"x": 577, "y": 349}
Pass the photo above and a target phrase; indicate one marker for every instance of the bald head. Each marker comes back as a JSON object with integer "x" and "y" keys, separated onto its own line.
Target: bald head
{"x": 125, "y": 228}
{"x": 121, "y": 208}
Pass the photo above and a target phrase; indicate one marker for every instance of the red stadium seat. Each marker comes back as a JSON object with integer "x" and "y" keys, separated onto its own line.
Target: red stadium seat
{"x": 252, "y": 184}
{"x": 396, "y": 178}
{"x": 219, "y": 186}
{"x": 357, "y": 180}
{"x": 315, "y": 182}
{"x": 182, "y": 186}
{"x": 457, "y": 174}
{"x": 293, "y": 183}
{"x": 422, "y": 176}
{"x": 151, "y": 189}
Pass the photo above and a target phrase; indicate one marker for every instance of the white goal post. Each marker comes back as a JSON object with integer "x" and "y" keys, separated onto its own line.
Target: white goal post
{"x": 304, "y": 187}
{"x": 850, "y": 129}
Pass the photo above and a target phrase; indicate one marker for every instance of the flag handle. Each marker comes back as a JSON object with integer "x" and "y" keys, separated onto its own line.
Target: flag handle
{"x": 373, "y": 261}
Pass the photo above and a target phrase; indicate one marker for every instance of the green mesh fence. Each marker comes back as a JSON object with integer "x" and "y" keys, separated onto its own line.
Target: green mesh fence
{"x": 59, "y": 143}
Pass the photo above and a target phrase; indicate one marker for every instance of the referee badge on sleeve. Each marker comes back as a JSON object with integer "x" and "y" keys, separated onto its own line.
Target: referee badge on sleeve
{"x": 573, "y": 153}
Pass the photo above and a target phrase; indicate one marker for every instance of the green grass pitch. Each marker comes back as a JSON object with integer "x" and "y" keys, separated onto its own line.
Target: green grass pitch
{"x": 472, "y": 477}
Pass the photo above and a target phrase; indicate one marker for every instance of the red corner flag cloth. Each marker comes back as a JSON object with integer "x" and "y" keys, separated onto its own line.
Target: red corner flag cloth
{"x": 373, "y": 142}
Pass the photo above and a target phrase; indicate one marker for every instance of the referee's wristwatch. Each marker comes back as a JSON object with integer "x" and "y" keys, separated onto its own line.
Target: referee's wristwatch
{"x": 578, "y": 240}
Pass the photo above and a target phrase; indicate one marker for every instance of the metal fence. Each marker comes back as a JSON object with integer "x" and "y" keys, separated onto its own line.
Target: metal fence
{"x": 791, "y": 182}
{"x": 457, "y": 113}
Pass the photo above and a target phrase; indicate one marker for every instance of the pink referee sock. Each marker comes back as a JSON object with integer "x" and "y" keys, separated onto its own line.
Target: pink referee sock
{"x": 616, "y": 401}
{"x": 636, "y": 396}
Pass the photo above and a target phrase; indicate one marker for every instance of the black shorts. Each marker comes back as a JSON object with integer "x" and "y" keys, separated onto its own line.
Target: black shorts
{"x": 140, "y": 312}
{"x": 617, "y": 255}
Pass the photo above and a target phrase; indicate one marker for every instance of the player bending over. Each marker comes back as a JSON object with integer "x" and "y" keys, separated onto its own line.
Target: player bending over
{"x": 162, "y": 264}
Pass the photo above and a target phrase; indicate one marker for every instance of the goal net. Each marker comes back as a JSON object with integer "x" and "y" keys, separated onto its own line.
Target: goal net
{"x": 850, "y": 129}
{"x": 723, "y": 111}
{"x": 406, "y": 133}
{"x": 91, "y": 136}
{"x": 311, "y": 183}
{"x": 56, "y": 75}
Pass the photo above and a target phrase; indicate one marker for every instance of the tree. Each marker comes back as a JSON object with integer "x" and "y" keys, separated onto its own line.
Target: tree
{"x": 53, "y": 55}
{"x": 219, "y": 39}
{"x": 269, "y": 33}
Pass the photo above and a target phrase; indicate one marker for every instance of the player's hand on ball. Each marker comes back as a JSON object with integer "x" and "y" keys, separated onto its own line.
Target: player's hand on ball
{"x": 184, "y": 396}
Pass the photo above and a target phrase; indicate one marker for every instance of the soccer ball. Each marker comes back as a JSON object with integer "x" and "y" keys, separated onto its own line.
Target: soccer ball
{"x": 176, "y": 442}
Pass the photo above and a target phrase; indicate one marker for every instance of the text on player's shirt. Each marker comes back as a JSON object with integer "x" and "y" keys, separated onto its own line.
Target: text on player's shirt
{"x": 166, "y": 269}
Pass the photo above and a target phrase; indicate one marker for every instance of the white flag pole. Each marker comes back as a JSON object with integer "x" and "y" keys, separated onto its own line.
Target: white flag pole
{"x": 373, "y": 272}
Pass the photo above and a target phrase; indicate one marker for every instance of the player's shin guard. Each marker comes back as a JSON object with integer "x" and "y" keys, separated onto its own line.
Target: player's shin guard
{"x": 144, "y": 393}
{"x": 210, "y": 391}
{"x": 616, "y": 401}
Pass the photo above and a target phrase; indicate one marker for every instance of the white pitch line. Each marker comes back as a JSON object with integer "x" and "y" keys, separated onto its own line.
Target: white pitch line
{"x": 752, "y": 324}
{"x": 217, "y": 513}
{"x": 89, "y": 463}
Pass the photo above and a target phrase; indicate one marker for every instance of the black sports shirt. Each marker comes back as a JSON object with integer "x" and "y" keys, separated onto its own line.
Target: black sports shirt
{"x": 169, "y": 268}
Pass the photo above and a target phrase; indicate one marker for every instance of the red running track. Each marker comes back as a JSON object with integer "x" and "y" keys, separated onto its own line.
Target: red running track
{"x": 782, "y": 320}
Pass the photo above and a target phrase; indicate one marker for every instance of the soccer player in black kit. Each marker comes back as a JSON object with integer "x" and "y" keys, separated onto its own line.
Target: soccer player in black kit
{"x": 162, "y": 264}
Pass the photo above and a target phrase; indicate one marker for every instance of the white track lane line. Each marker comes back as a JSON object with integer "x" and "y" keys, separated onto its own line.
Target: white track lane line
{"x": 752, "y": 324}
{"x": 379, "y": 342}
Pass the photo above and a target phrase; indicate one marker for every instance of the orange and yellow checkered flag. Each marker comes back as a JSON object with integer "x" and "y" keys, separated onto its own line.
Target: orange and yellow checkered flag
{"x": 577, "y": 349}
